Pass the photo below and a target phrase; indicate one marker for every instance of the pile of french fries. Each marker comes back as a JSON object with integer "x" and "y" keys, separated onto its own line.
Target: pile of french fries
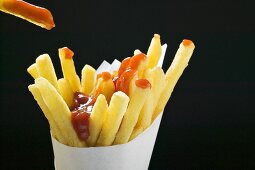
{"x": 116, "y": 117}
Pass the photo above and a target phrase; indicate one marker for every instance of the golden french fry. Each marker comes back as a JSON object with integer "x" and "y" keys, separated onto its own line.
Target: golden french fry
{"x": 108, "y": 89}
{"x": 154, "y": 51}
{"x": 156, "y": 77}
{"x": 88, "y": 75}
{"x": 96, "y": 119}
{"x": 34, "y": 14}
{"x": 105, "y": 87}
{"x": 53, "y": 126}
{"x": 68, "y": 68}
{"x": 60, "y": 111}
{"x": 131, "y": 116}
{"x": 114, "y": 115}
{"x": 141, "y": 68}
{"x": 174, "y": 72}
{"x": 32, "y": 70}
{"x": 66, "y": 91}
{"x": 46, "y": 69}
{"x": 159, "y": 82}
{"x": 135, "y": 133}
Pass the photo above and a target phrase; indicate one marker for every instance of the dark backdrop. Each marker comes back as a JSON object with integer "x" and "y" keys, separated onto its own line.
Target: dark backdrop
{"x": 209, "y": 121}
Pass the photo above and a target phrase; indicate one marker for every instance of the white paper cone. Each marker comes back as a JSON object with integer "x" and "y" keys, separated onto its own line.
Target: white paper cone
{"x": 134, "y": 155}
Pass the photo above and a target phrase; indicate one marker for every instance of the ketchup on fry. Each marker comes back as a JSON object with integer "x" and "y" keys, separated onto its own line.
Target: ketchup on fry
{"x": 127, "y": 71}
{"x": 143, "y": 83}
{"x": 83, "y": 105}
{"x": 80, "y": 113}
{"x": 105, "y": 75}
{"x": 30, "y": 12}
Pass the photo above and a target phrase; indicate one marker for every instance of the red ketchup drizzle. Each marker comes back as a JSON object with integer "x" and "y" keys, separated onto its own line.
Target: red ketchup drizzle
{"x": 127, "y": 71}
{"x": 143, "y": 83}
{"x": 105, "y": 75}
{"x": 68, "y": 53}
{"x": 186, "y": 42}
{"x": 80, "y": 113}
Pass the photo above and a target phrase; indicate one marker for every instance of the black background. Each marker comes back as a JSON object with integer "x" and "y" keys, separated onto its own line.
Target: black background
{"x": 209, "y": 121}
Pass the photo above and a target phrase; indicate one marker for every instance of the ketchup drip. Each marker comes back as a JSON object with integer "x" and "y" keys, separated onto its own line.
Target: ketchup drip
{"x": 105, "y": 75}
{"x": 186, "y": 42}
{"x": 68, "y": 53}
{"x": 83, "y": 105}
{"x": 80, "y": 113}
{"x": 127, "y": 71}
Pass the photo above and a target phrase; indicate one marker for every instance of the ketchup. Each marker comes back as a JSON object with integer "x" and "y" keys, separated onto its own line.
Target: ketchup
{"x": 127, "y": 71}
{"x": 31, "y": 12}
{"x": 68, "y": 53}
{"x": 143, "y": 83}
{"x": 80, "y": 113}
{"x": 105, "y": 75}
{"x": 83, "y": 105}
{"x": 186, "y": 42}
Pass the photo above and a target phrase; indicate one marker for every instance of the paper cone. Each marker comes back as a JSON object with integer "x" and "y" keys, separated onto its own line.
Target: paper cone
{"x": 134, "y": 155}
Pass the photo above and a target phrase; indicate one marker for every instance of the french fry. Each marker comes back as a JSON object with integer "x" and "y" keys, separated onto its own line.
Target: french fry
{"x": 46, "y": 69}
{"x": 68, "y": 68}
{"x": 114, "y": 115}
{"x": 108, "y": 89}
{"x": 88, "y": 75}
{"x": 32, "y": 70}
{"x": 105, "y": 87}
{"x": 96, "y": 119}
{"x": 141, "y": 68}
{"x": 131, "y": 116}
{"x": 174, "y": 72}
{"x": 53, "y": 126}
{"x": 60, "y": 111}
{"x": 34, "y": 14}
{"x": 66, "y": 91}
{"x": 137, "y": 131}
{"x": 156, "y": 77}
{"x": 154, "y": 51}
{"x": 159, "y": 82}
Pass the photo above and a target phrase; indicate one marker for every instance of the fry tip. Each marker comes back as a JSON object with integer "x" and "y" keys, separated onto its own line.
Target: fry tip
{"x": 156, "y": 36}
{"x": 67, "y": 52}
{"x": 187, "y": 42}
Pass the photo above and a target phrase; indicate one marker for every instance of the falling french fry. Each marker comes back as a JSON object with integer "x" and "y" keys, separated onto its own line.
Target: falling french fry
{"x": 34, "y": 14}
